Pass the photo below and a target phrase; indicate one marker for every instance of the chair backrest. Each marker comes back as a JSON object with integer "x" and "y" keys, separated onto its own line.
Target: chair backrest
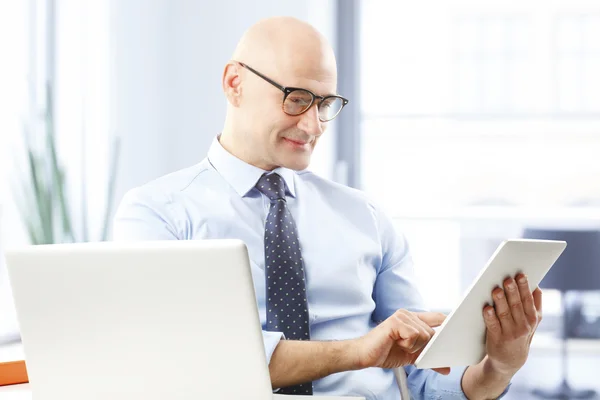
{"x": 400, "y": 375}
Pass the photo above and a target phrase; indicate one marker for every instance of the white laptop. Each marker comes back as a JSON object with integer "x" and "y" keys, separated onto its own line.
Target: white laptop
{"x": 144, "y": 320}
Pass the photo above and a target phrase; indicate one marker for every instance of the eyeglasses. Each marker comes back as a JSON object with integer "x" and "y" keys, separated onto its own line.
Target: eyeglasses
{"x": 297, "y": 101}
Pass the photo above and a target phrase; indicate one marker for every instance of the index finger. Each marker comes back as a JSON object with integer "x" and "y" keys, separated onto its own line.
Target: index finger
{"x": 432, "y": 319}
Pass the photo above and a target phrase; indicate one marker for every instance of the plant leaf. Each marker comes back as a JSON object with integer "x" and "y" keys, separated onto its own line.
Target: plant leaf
{"x": 39, "y": 192}
{"x": 23, "y": 191}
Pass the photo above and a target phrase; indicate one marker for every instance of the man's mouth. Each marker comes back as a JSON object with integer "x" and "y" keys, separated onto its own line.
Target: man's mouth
{"x": 296, "y": 142}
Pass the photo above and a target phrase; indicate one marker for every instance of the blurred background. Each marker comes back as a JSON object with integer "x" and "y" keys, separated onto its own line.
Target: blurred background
{"x": 470, "y": 122}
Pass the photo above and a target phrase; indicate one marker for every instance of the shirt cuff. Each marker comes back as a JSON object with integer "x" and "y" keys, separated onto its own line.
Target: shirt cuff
{"x": 454, "y": 387}
{"x": 453, "y": 384}
{"x": 271, "y": 340}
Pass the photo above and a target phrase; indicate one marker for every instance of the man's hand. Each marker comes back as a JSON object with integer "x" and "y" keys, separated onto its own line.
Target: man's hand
{"x": 395, "y": 342}
{"x": 511, "y": 324}
{"x": 398, "y": 340}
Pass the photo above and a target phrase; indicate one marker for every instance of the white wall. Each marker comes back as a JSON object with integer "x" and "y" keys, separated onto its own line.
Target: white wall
{"x": 168, "y": 57}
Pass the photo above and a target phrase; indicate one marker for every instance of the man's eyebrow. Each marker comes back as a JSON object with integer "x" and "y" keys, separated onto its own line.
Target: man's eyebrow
{"x": 327, "y": 95}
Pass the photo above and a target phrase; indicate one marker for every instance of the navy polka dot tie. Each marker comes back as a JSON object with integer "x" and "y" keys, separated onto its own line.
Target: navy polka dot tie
{"x": 287, "y": 307}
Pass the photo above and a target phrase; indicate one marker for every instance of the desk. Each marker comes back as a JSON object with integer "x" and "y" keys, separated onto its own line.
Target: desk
{"x": 22, "y": 392}
{"x": 15, "y": 392}
{"x": 542, "y": 345}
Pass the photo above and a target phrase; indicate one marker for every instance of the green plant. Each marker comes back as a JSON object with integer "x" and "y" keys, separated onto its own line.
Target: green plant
{"x": 43, "y": 203}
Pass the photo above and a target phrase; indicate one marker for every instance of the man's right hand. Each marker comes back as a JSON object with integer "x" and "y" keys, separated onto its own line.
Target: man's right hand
{"x": 395, "y": 342}
{"x": 398, "y": 340}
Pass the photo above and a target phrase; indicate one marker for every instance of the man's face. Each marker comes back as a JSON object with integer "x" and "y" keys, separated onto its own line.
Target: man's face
{"x": 279, "y": 139}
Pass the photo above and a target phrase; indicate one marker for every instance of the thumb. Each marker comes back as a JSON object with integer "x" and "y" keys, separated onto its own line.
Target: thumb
{"x": 432, "y": 319}
{"x": 443, "y": 371}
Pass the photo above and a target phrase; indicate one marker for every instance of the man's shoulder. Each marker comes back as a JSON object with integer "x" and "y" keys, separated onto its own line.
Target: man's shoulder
{"x": 164, "y": 188}
{"x": 334, "y": 189}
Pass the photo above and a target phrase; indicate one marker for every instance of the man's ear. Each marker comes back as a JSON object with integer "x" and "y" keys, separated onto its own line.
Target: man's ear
{"x": 232, "y": 83}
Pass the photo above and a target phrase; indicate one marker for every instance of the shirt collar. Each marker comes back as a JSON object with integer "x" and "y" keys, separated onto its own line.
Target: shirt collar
{"x": 241, "y": 175}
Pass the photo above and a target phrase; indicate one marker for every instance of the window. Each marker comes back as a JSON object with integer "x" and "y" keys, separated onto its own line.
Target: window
{"x": 577, "y": 63}
{"x": 466, "y": 104}
{"x": 68, "y": 47}
{"x": 490, "y": 64}
{"x": 82, "y": 93}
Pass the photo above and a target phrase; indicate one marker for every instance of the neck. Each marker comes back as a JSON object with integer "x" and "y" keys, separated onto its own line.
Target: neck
{"x": 228, "y": 140}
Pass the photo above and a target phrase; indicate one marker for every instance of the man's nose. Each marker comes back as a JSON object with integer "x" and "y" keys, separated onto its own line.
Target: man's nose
{"x": 310, "y": 123}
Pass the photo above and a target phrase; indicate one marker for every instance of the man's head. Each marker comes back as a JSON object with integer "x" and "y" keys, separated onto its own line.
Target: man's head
{"x": 259, "y": 128}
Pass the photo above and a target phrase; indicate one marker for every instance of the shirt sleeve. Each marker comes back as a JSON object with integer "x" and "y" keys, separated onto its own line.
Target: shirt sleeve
{"x": 395, "y": 288}
{"x": 395, "y": 285}
{"x": 144, "y": 216}
{"x": 426, "y": 384}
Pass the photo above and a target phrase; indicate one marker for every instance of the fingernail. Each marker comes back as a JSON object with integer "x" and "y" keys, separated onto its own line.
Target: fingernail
{"x": 523, "y": 279}
{"x": 500, "y": 295}
{"x": 490, "y": 312}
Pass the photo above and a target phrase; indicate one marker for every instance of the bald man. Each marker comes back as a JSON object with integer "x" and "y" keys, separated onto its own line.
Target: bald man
{"x": 334, "y": 282}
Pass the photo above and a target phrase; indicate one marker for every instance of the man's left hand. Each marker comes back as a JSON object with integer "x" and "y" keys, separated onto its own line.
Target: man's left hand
{"x": 511, "y": 323}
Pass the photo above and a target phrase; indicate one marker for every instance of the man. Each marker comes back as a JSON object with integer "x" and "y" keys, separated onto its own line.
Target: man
{"x": 334, "y": 282}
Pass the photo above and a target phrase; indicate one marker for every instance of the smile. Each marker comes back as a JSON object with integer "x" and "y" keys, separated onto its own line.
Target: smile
{"x": 296, "y": 142}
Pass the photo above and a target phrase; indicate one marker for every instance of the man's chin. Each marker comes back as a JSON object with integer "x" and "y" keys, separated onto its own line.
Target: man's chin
{"x": 296, "y": 165}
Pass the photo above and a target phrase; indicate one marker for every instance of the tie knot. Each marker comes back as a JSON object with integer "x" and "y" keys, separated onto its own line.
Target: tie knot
{"x": 272, "y": 186}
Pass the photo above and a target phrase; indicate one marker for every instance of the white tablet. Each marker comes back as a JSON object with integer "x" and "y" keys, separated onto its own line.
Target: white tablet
{"x": 460, "y": 340}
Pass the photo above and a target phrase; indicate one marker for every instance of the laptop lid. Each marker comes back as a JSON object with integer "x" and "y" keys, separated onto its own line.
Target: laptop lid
{"x": 139, "y": 320}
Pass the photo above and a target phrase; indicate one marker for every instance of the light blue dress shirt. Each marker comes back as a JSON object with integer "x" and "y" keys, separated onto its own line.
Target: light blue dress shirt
{"x": 358, "y": 269}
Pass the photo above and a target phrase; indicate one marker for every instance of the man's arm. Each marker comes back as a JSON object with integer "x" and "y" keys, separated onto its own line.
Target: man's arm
{"x": 295, "y": 361}
{"x": 145, "y": 216}
{"x": 395, "y": 342}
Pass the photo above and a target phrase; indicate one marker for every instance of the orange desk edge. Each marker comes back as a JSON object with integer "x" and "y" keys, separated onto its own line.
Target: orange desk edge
{"x": 13, "y": 372}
